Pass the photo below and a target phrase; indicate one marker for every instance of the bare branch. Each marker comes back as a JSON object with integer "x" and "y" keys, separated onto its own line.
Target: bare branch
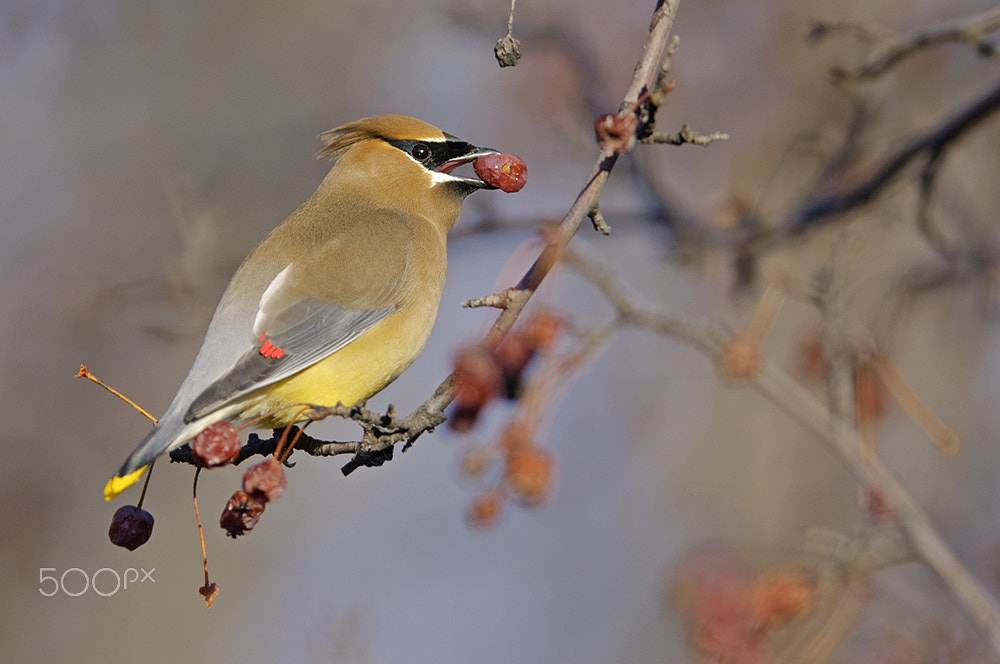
{"x": 686, "y": 135}
{"x": 825, "y": 206}
{"x": 886, "y": 54}
{"x": 834, "y": 432}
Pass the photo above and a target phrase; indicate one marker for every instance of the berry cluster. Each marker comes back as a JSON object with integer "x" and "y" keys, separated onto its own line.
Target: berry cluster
{"x": 262, "y": 483}
{"x": 483, "y": 374}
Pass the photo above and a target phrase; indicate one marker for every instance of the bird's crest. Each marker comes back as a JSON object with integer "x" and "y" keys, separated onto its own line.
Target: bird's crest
{"x": 339, "y": 140}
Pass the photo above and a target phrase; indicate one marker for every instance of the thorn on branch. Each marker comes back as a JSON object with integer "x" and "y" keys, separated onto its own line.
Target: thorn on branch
{"x": 598, "y": 220}
{"x": 498, "y": 300}
{"x": 663, "y": 83}
{"x": 686, "y": 135}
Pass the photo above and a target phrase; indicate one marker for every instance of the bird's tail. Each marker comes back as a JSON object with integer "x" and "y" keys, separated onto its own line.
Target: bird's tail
{"x": 169, "y": 433}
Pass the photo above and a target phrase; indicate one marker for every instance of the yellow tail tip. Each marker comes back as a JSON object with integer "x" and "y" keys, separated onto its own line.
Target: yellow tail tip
{"x": 118, "y": 484}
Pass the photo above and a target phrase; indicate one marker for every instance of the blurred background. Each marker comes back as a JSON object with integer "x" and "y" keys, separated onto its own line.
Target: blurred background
{"x": 147, "y": 147}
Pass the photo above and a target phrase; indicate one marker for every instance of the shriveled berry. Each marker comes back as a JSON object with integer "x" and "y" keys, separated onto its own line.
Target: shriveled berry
{"x": 529, "y": 474}
{"x": 267, "y": 478}
{"x": 242, "y": 513}
{"x": 777, "y": 597}
{"x": 504, "y": 171}
{"x": 477, "y": 380}
{"x": 485, "y": 509}
{"x": 513, "y": 355}
{"x": 209, "y": 591}
{"x": 130, "y": 527}
{"x": 517, "y": 435}
{"x": 507, "y": 51}
{"x": 541, "y": 329}
{"x": 217, "y": 445}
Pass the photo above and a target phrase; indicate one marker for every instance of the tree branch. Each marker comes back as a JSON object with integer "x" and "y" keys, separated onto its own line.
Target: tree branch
{"x": 968, "y": 30}
{"x": 384, "y": 431}
{"x": 822, "y": 207}
{"x": 834, "y": 432}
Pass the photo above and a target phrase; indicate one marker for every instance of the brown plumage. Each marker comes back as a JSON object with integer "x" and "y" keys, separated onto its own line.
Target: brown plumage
{"x": 339, "y": 299}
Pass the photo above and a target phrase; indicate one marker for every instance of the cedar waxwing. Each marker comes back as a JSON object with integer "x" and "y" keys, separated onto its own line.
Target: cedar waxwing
{"x": 336, "y": 301}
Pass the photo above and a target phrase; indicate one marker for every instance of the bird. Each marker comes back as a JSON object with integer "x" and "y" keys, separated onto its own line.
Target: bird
{"x": 336, "y": 301}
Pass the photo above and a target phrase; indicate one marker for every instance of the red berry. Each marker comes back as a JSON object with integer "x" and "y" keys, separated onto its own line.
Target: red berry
{"x": 513, "y": 355}
{"x": 130, "y": 527}
{"x": 478, "y": 378}
{"x": 217, "y": 445}
{"x": 504, "y": 171}
{"x": 529, "y": 474}
{"x": 242, "y": 513}
{"x": 267, "y": 478}
{"x": 542, "y": 329}
{"x": 485, "y": 509}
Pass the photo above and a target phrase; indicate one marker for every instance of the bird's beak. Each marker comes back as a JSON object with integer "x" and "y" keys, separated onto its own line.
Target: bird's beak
{"x": 450, "y": 165}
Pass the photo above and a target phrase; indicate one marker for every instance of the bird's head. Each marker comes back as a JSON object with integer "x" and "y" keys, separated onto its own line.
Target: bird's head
{"x": 404, "y": 148}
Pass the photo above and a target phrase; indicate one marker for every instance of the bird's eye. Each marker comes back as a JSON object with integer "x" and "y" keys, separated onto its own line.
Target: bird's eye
{"x": 420, "y": 151}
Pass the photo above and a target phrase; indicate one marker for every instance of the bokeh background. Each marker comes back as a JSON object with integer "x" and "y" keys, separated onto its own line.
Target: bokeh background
{"x": 145, "y": 148}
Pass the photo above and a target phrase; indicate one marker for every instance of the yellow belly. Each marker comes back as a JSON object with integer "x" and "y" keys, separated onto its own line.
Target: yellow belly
{"x": 356, "y": 372}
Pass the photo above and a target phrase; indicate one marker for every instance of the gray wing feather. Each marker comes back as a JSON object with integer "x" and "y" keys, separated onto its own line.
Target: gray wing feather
{"x": 323, "y": 330}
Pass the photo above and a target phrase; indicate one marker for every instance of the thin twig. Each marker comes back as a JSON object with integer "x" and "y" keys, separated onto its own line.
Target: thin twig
{"x": 517, "y": 297}
{"x": 686, "y": 135}
{"x": 967, "y": 30}
{"x": 384, "y": 431}
{"x": 842, "y": 439}
{"x": 825, "y": 206}
{"x": 789, "y": 396}
{"x": 84, "y": 372}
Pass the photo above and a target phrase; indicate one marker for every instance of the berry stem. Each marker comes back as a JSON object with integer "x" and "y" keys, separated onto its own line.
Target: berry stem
{"x": 84, "y": 372}
{"x": 145, "y": 485}
{"x": 201, "y": 531}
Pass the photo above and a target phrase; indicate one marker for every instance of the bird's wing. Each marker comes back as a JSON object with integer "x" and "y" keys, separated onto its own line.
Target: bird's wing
{"x": 313, "y": 308}
{"x": 322, "y": 331}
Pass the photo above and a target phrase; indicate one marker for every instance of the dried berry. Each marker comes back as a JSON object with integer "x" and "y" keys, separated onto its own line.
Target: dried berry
{"x": 485, "y": 509}
{"x": 217, "y": 445}
{"x": 209, "y": 591}
{"x": 517, "y": 435}
{"x": 507, "y": 51}
{"x": 780, "y": 596}
{"x": 712, "y": 592}
{"x": 477, "y": 380}
{"x": 267, "y": 478}
{"x": 241, "y": 513}
{"x": 504, "y": 171}
{"x": 542, "y": 329}
{"x": 130, "y": 527}
{"x": 529, "y": 474}
{"x": 513, "y": 355}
